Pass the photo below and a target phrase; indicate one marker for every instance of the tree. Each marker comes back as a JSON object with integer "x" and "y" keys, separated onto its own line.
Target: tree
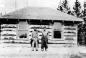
{"x": 60, "y": 8}
{"x": 77, "y": 8}
{"x": 64, "y": 7}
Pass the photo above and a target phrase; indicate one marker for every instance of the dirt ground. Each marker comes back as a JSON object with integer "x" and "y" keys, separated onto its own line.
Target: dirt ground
{"x": 24, "y": 51}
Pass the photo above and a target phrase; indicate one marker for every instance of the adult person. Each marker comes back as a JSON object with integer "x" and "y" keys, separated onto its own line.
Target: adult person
{"x": 35, "y": 40}
{"x": 44, "y": 40}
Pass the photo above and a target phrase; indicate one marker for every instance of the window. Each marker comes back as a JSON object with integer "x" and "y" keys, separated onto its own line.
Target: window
{"x": 23, "y": 36}
{"x": 57, "y": 34}
{"x": 22, "y": 33}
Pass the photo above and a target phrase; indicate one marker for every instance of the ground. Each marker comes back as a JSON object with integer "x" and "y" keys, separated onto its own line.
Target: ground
{"x": 24, "y": 51}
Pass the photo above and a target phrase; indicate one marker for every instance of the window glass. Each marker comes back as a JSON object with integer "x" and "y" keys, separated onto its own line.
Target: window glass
{"x": 57, "y": 34}
{"x": 22, "y": 34}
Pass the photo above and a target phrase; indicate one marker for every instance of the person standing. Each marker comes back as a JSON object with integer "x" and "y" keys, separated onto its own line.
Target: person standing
{"x": 44, "y": 40}
{"x": 35, "y": 40}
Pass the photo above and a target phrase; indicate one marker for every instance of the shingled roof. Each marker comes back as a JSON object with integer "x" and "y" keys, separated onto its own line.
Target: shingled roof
{"x": 40, "y": 13}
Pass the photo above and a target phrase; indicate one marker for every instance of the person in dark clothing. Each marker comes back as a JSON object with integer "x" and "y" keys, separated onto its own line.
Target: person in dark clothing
{"x": 44, "y": 40}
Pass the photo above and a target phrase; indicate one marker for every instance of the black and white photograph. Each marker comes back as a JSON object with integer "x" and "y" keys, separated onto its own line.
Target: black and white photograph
{"x": 42, "y": 28}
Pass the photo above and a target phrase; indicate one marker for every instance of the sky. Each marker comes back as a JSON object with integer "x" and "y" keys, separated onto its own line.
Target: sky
{"x": 11, "y": 5}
